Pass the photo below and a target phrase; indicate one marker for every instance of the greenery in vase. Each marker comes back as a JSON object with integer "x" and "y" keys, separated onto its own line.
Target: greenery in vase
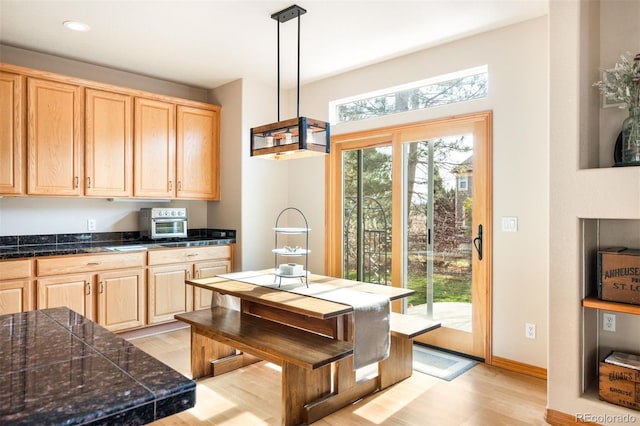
{"x": 623, "y": 80}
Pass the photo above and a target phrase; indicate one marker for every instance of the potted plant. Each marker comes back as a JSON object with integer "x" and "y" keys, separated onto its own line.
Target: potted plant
{"x": 623, "y": 85}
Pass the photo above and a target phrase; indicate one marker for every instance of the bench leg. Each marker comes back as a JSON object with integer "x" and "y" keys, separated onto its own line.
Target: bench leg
{"x": 399, "y": 365}
{"x": 301, "y": 386}
{"x": 203, "y": 350}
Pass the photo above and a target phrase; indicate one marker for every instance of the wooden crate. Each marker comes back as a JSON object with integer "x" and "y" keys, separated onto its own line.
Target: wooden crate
{"x": 619, "y": 275}
{"x": 620, "y": 385}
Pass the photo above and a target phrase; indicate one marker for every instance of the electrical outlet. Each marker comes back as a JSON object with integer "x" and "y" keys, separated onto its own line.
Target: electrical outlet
{"x": 530, "y": 331}
{"x": 91, "y": 224}
{"x": 609, "y": 322}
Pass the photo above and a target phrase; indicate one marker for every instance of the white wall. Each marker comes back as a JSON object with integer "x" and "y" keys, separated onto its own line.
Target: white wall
{"x": 33, "y": 215}
{"x": 226, "y": 212}
{"x": 517, "y": 57}
{"x": 45, "y": 62}
{"x": 586, "y": 35}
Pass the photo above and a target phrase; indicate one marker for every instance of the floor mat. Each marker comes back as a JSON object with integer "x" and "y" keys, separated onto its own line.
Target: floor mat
{"x": 439, "y": 364}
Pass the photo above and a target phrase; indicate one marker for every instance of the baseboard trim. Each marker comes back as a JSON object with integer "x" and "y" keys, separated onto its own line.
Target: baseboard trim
{"x": 558, "y": 418}
{"x": 519, "y": 367}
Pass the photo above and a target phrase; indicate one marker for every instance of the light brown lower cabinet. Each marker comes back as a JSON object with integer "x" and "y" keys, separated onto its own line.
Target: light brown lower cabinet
{"x": 114, "y": 289}
{"x": 169, "y": 268}
{"x": 202, "y": 297}
{"x": 106, "y": 288}
{"x": 73, "y": 291}
{"x": 15, "y": 286}
{"x": 168, "y": 294}
{"x": 121, "y": 299}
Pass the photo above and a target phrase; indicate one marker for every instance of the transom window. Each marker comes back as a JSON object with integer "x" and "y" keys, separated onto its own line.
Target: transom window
{"x": 442, "y": 90}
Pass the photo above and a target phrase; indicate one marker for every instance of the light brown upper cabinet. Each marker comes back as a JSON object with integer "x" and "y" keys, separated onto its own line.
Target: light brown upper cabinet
{"x": 176, "y": 151}
{"x": 12, "y": 134}
{"x": 108, "y": 144}
{"x": 65, "y": 136}
{"x": 54, "y": 138}
{"x": 154, "y": 149}
{"x": 198, "y": 153}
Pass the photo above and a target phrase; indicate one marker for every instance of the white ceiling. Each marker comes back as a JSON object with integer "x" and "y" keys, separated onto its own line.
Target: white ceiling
{"x": 208, "y": 43}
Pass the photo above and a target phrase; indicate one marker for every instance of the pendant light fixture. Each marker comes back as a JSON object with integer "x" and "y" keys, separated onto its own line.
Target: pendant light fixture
{"x": 297, "y": 137}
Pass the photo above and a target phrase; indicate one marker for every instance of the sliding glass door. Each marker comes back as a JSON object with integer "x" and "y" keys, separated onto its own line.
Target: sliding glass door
{"x": 414, "y": 211}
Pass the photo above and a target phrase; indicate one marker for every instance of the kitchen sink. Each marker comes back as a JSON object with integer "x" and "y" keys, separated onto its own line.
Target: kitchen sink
{"x": 127, "y": 248}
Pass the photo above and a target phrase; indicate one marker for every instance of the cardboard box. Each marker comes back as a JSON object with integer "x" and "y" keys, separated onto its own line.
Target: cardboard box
{"x": 620, "y": 385}
{"x": 619, "y": 275}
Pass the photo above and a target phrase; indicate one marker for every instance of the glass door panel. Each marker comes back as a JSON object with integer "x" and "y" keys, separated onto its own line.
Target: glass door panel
{"x": 367, "y": 214}
{"x": 438, "y": 229}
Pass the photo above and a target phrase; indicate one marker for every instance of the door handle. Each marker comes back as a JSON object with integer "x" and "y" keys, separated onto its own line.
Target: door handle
{"x": 477, "y": 242}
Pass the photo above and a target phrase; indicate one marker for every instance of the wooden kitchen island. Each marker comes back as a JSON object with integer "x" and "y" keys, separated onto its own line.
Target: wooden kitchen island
{"x": 309, "y": 336}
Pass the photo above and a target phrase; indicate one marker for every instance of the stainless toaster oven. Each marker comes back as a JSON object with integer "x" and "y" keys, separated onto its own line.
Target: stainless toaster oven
{"x": 163, "y": 222}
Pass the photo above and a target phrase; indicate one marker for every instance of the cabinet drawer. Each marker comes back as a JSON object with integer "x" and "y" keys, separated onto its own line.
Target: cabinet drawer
{"x": 192, "y": 254}
{"x": 13, "y": 269}
{"x": 88, "y": 263}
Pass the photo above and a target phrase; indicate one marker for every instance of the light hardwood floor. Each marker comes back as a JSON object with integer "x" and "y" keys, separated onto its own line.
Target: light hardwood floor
{"x": 483, "y": 395}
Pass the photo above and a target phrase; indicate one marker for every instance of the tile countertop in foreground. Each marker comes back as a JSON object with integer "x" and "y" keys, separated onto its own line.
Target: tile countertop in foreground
{"x": 57, "y": 367}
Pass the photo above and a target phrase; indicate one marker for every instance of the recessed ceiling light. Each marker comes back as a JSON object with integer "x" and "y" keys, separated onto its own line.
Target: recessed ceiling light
{"x": 76, "y": 26}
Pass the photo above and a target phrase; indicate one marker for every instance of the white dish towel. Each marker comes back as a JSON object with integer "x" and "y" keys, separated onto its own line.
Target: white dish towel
{"x": 371, "y": 314}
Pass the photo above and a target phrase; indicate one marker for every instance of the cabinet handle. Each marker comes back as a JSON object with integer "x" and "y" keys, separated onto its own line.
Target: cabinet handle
{"x": 93, "y": 263}
{"x": 188, "y": 275}
{"x": 77, "y": 182}
{"x": 89, "y": 182}
{"x": 170, "y": 185}
{"x": 198, "y": 273}
{"x": 101, "y": 287}
{"x": 193, "y": 254}
{"x": 88, "y": 288}
{"x": 179, "y": 185}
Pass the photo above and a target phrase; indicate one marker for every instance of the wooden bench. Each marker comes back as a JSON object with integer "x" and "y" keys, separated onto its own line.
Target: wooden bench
{"x": 305, "y": 357}
{"x": 399, "y": 365}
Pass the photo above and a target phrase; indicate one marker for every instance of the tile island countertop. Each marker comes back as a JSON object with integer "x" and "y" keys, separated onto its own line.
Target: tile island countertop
{"x": 58, "y": 367}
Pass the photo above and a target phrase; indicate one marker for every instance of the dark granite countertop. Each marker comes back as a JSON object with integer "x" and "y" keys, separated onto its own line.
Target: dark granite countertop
{"x": 58, "y": 367}
{"x": 14, "y": 247}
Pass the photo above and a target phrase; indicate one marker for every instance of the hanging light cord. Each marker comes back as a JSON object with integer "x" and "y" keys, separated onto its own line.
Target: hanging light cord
{"x": 298, "y": 77}
{"x": 298, "y": 98}
{"x": 278, "y": 70}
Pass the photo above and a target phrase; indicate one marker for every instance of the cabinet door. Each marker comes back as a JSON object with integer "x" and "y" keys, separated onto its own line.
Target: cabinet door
{"x": 12, "y": 149}
{"x": 198, "y": 153}
{"x": 108, "y": 144}
{"x": 15, "y": 296}
{"x": 154, "y": 149}
{"x": 168, "y": 293}
{"x": 54, "y": 138}
{"x": 121, "y": 299}
{"x": 72, "y": 291}
{"x": 202, "y": 297}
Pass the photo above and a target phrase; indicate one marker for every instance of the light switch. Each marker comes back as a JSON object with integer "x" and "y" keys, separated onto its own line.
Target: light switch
{"x": 509, "y": 224}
